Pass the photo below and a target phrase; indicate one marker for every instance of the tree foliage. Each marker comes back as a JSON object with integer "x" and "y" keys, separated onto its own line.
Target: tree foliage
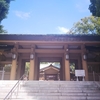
{"x": 94, "y": 7}
{"x": 2, "y": 30}
{"x": 4, "y": 8}
{"x": 87, "y": 25}
{"x": 27, "y": 67}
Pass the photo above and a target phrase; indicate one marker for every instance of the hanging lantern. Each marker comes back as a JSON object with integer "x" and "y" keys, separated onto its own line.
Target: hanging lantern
{"x": 67, "y": 56}
{"x": 14, "y": 56}
{"x": 84, "y": 57}
{"x": 31, "y": 56}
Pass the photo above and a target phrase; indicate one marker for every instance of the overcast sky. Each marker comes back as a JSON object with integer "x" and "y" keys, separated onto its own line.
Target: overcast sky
{"x": 44, "y": 16}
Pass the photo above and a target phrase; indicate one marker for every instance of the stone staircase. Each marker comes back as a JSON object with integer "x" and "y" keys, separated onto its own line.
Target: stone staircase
{"x": 5, "y": 87}
{"x": 56, "y": 90}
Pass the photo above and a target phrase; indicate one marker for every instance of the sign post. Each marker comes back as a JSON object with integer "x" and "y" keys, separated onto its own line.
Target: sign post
{"x": 80, "y": 73}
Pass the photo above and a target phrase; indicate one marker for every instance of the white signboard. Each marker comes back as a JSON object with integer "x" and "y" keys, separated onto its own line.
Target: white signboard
{"x": 79, "y": 73}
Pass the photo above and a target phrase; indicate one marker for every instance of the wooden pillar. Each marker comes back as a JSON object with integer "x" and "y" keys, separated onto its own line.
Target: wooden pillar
{"x": 22, "y": 68}
{"x": 13, "y": 68}
{"x": 19, "y": 67}
{"x": 31, "y": 70}
{"x": 67, "y": 65}
{"x": 36, "y": 68}
{"x": 43, "y": 75}
{"x": 67, "y": 70}
{"x": 84, "y": 64}
{"x": 63, "y": 69}
{"x": 61, "y": 66}
{"x": 14, "y": 62}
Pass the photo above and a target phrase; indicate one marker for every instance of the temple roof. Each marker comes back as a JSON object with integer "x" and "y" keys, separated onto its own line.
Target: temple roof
{"x": 50, "y": 37}
{"x": 48, "y": 67}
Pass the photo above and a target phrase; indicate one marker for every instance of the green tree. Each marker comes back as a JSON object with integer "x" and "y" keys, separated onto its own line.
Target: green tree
{"x": 2, "y": 30}
{"x": 4, "y": 8}
{"x": 87, "y": 25}
{"x": 27, "y": 67}
{"x": 94, "y": 7}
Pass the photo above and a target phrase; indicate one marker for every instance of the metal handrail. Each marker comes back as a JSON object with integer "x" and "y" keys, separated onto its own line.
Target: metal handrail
{"x": 95, "y": 81}
{"x": 98, "y": 75}
{"x": 7, "y": 97}
{"x": 94, "y": 76}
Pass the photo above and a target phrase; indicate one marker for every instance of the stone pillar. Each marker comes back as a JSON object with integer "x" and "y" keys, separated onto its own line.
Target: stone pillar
{"x": 13, "y": 67}
{"x": 84, "y": 65}
{"x": 67, "y": 70}
{"x": 31, "y": 70}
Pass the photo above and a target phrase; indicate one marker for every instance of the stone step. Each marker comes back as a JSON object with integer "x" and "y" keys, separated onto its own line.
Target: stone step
{"x": 48, "y": 83}
{"x": 27, "y": 86}
{"x": 53, "y": 94}
{"x": 56, "y": 97}
{"x": 58, "y": 86}
{"x": 8, "y": 80}
{"x": 60, "y": 82}
{"x": 51, "y": 82}
{"x": 60, "y": 94}
{"x": 52, "y": 90}
{"x": 6, "y": 85}
{"x": 57, "y": 90}
{"x": 60, "y": 89}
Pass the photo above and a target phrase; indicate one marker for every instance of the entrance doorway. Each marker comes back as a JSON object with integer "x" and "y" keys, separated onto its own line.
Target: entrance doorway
{"x": 49, "y": 71}
{"x": 75, "y": 64}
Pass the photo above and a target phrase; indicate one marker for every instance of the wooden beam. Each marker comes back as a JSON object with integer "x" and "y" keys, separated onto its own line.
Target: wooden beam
{"x": 75, "y": 51}
{"x": 93, "y": 62}
{"x": 49, "y": 55}
{"x": 24, "y": 50}
{"x": 76, "y": 44}
{"x": 93, "y": 44}
{"x": 25, "y": 57}
{"x": 50, "y": 59}
{"x": 56, "y": 51}
{"x": 49, "y": 50}
{"x": 46, "y": 42}
{"x": 41, "y": 44}
{"x": 5, "y": 62}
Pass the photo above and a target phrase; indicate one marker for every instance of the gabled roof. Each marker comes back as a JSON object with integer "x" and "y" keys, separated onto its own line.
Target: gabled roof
{"x": 48, "y": 67}
{"x": 50, "y": 37}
